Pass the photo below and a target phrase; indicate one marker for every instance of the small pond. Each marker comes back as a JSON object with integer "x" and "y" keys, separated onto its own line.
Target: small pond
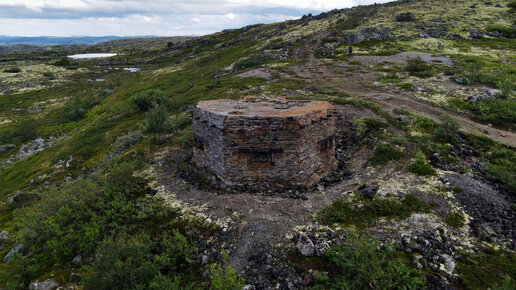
{"x": 91, "y": 55}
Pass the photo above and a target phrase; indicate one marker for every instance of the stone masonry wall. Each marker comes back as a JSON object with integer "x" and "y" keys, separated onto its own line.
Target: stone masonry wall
{"x": 277, "y": 150}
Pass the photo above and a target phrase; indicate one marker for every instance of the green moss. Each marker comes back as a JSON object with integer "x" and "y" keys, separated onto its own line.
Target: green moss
{"x": 346, "y": 213}
{"x": 455, "y": 220}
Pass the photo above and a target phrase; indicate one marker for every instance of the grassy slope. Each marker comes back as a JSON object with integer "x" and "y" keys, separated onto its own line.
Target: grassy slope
{"x": 185, "y": 76}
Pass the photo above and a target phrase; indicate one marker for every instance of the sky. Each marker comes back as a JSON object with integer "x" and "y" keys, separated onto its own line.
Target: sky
{"x": 151, "y": 17}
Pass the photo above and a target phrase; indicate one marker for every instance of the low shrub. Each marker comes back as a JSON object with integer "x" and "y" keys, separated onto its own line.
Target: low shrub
{"x": 140, "y": 262}
{"x": 26, "y": 130}
{"x": 76, "y": 109}
{"x": 49, "y": 75}
{"x": 362, "y": 263}
{"x": 407, "y": 85}
{"x": 447, "y": 130}
{"x": 12, "y": 70}
{"x": 506, "y": 85}
{"x": 125, "y": 141}
{"x": 145, "y": 100}
{"x": 420, "y": 166}
{"x": 505, "y": 31}
{"x": 252, "y": 61}
{"x": 63, "y": 62}
{"x": 385, "y": 153}
{"x": 416, "y": 65}
{"x": 495, "y": 269}
{"x": 224, "y": 277}
{"x": 343, "y": 212}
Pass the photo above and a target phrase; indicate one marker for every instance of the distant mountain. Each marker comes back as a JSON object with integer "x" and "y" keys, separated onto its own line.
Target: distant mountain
{"x": 53, "y": 40}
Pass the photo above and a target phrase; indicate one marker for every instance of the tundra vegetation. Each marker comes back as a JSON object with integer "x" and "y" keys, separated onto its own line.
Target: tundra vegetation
{"x": 94, "y": 158}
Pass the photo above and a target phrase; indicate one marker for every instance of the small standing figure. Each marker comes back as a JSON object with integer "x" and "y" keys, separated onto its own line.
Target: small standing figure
{"x": 350, "y": 51}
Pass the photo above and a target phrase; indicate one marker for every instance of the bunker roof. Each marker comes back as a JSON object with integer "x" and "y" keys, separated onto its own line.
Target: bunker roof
{"x": 265, "y": 107}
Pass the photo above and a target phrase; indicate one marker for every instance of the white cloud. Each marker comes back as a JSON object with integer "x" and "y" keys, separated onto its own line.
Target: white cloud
{"x": 151, "y": 17}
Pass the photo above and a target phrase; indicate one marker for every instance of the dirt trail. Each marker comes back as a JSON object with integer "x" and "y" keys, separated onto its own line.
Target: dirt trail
{"x": 360, "y": 83}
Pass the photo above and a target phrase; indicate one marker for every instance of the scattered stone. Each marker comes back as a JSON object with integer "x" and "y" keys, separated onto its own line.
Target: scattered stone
{"x": 368, "y": 191}
{"x": 77, "y": 259}
{"x": 405, "y": 17}
{"x": 305, "y": 246}
{"x": 16, "y": 249}
{"x": 5, "y": 148}
{"x": 4, "y": 235}
{"x": 248, "y": 287}
{"x": 473, "y": 33}
{"x": 48, "y": 284}
{"x": 69, "y": 162}
{"x": 321, "y": 247}
{"x": 449, "y": 262}
{"x": 205, "y": 259}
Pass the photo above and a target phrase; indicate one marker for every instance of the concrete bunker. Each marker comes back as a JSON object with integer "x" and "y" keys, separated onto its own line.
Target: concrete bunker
{"x": 264, "y": 142}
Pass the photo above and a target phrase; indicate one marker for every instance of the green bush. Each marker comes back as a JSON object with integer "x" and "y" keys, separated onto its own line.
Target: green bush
{"x": 252, "y": 61}
{"x": 12, "y": 70}
{"x": 49, "y": 75}
{"x": 373, "y": 125}
{"x": 506, "y": 85}
{"x": 447, "y": 130}
{"x": 147, "y": 99}
{"x": 362, "y": 263}
{"x": 158, "y": 123}
{"x": 407, "y": 85}
{"x": 512, "y": 5}
{"x": 416, "y": 65}
{"x": 343, "y": 212}
{"x": 385, "y": 153}
{"x": 26, "y": 130}
{"x": 505, "y": 31}
{"x": 63, "y": 62}
{"x": 74, "y": 217}
{"x": 224, "y": 277}
{"x": 139, "y": 262}
{"x": 420, "y": 166}
{"x": 76, "y": 109}
{"x": 19, "y": 273}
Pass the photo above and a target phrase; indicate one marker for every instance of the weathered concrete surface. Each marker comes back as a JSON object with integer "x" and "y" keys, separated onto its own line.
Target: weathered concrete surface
{"x": 265, "y": 141}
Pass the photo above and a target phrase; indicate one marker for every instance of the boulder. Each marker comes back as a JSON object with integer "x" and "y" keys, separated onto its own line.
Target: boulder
{"x": 405, "y": 17}
{"x": 48, "y": 284}
{"x": 16, "y": 249}
{"x": 368, "y": 191}
{"x": 305, "y": 246}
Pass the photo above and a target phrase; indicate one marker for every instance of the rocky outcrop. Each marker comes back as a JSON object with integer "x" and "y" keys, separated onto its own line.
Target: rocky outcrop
{"x": 405, "y": 17}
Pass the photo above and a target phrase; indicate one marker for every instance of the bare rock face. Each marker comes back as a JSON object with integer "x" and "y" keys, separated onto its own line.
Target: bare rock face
{"x": 255, "y": 142}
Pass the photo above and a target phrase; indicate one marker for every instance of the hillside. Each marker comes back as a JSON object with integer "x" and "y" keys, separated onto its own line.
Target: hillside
{"x": 98, "y": 192}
